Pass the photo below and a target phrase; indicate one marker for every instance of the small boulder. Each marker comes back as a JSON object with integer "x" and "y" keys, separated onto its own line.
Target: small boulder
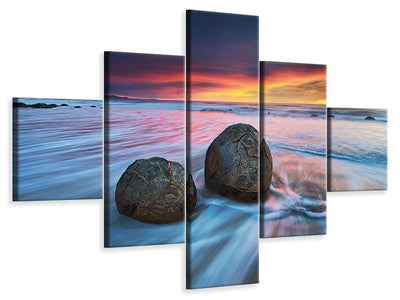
{"x": 93, "y": 106}
{"x": 369, "y": 118}
{"x": 152, "y": 190}
{"x": 53, "y": 105}
{"x": 231, "y": 165}
{"x": 314, "y": 115}
{"x": 77, "y": 106}
{"x": 64, "y": 104}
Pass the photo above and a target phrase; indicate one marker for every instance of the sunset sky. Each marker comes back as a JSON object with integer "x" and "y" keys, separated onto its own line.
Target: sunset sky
{"x": 145, "y": 76}
{"x": 294, "y": 83}
{"x": 222, "y": 57}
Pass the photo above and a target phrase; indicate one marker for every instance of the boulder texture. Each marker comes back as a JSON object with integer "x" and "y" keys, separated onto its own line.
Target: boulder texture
{"x": 266, "y": 169}
{"x": 152, "y": 190}
{"x": 369, "y": 118}
{"x": 191, "y": 195}
{"x": 231, "y": 165}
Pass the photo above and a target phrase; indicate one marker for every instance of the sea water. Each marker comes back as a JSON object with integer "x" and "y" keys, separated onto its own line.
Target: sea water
{"x": 357, "y": 149}
{"x": 223, "y": 234}
{"x": 296, "y": 202}
{"x": 140, "y": 129}
{"x": 58, "y": 152}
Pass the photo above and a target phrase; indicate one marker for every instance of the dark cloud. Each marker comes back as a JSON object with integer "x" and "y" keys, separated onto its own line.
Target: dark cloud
{"x": 144, "y": 75}
{"x": 275, "y": 68}
{"x": 222, "y": 43}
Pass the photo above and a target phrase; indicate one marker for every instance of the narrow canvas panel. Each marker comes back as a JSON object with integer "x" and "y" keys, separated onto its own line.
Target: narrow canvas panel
{"x": 222, "y": 226}
{"x": 144, "y": 149}
{"x": 357, "y": 149}
{"x": 57, "y": 149}
{"x": 294, "y": 127}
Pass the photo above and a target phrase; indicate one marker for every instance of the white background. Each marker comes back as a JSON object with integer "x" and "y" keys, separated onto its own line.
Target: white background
{"x": 53, "y": 250}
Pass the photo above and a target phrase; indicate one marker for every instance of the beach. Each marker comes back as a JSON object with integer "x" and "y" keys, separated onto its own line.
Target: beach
{"x": 58, "y": 152}
{"x": 136, "y": 129}
{"x": 296, "y": 202}
{"x": 357, "y": 149}
{"x": 223, "y": 233}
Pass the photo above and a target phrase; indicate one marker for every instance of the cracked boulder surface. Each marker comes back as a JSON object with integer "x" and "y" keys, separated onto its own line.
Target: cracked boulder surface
{"x": 191, "y": 194}
{"x": 231, "y": 165}
{"x": 266, "y": 169}
{"x": 152, "y": 190}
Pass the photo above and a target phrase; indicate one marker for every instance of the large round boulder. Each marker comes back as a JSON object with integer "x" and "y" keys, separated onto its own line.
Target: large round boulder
{"x": 152, "y": 190}
{"x": 231, "y": 165}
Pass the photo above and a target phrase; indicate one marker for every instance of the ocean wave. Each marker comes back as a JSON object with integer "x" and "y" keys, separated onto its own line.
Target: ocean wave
{"x": 294, "y": 149}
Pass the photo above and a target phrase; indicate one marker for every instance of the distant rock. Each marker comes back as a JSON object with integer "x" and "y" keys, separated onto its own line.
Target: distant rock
{"x": 93, "y": 106}
{"x": 64, "y": 104}
{"x": 314, "y": 115}
{"x": 19, "y": 104}
{"x": 269, "y": 113}
{"x": 53, "y": 105}
{"x": 77, "y": 106}
{"x": 41, "y": 105}
{"x": 331, "y": 116}
{"x": 369, "y": 118}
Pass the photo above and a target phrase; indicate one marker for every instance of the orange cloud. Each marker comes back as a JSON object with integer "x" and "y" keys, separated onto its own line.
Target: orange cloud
{"x": 293, "y": 83}
{"x": 227, "y": 88}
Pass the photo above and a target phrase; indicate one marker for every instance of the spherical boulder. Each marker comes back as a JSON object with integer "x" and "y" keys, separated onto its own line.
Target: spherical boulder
{"x": 152, "y": 190}
{"x": 369, "y": 118}
{"x": 231, "y": 165}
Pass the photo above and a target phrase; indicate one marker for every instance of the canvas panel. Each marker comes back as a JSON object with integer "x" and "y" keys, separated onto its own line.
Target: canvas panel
{"x": 293, "y": 118}
{"x": 144, "y": 149}
{"x": 57, "y": 149}
{"x": 222, "y": 229}
{"x": 357, "y": 149}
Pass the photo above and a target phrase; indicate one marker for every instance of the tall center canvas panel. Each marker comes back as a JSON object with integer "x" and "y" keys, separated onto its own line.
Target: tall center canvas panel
{"x": 222, "y": 92}
{"x": 144, "y": 155}
{"x": 293, "y": 97}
